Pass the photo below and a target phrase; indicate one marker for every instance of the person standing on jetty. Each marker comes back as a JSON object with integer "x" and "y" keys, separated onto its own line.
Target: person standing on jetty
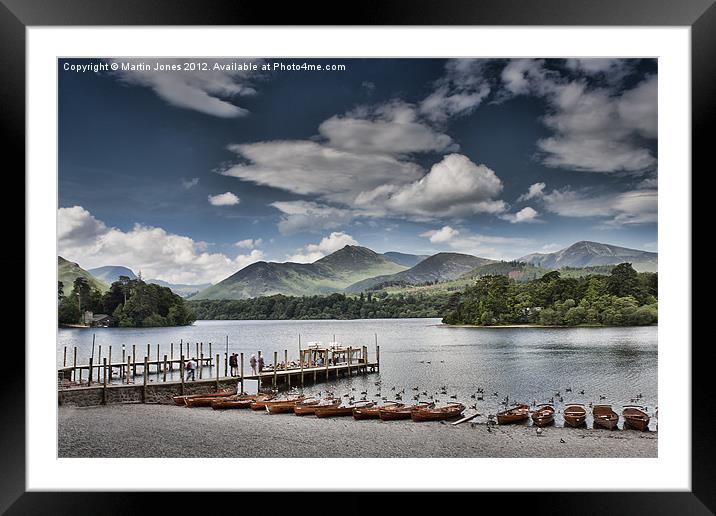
{"x": 234, "y": 363}
{"x": 252, "y": 362}
{"x": 261, "y": 363}
{"x": 190, "y": 369}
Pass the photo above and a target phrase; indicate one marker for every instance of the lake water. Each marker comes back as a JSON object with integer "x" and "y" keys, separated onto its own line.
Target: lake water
{"x": 526, "y": 364}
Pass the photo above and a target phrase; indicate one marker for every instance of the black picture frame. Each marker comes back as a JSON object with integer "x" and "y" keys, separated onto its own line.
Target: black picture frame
{"x": 17, "y": 15}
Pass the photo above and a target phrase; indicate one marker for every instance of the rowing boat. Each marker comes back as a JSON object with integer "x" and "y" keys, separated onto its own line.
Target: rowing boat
{"x": 394, "y": 413}
{"x": 437, "y": 413}
{"x": 282, "y": 406}
{"x": 262, "y": 404}
{"x": 543, "y": 415}
{"x": 372, "y": 412}
{"x": 305, "y": 409}
{"x": 635, "y": 417}
{"x": 339, "y": 410}
{"x": 605, "y": 417}
{"x": 575, "y": 415}
{"x": 236, "y": 402}
{"x": 513, "y": 415}
{"x": 181, "y": 400}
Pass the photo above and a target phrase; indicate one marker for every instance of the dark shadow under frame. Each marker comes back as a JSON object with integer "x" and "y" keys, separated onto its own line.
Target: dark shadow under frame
{"x": 16, "y": 15}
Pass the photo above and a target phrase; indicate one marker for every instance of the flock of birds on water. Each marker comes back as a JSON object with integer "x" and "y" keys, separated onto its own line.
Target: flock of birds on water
{"x": 420, "y": 394}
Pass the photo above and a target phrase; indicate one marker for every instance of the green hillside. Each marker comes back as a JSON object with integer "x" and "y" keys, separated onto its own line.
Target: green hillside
{"x": 330, "y": 274}
{"x": 67, "y": 271}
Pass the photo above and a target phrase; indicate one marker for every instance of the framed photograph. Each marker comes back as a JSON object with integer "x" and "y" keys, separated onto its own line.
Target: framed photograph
{"x": 276, "y": 252}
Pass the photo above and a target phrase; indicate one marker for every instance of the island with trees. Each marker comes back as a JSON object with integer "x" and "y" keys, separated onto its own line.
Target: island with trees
{"x": 127, "y": 303}
{"x": 622, "y": 298}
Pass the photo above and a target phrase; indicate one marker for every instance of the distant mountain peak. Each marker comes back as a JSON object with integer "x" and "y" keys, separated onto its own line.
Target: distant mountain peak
{"x": 586, "y": 253}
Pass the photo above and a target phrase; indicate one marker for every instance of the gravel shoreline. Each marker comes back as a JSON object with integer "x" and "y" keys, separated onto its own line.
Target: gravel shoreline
{"x": 171, "y": 431}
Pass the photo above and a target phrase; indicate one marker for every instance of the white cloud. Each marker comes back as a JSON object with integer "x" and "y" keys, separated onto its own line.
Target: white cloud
{"x": 443, "y": 234}
{"x": 535, "y": 191}
{"x": 158, "y": 254}
{"x": 622, "y": 208}
{"x": 594, "y": 128}
{"x": 224, "y": 199}
{"x": 462, "y": 89}
{"x": 189, "y": 183}
{"x": 390, "y": 128}
{"x": 206, "y": 91}
{"x": 330, "y": 244}
{"x": 454, "y": 187}
{"x": 310, "y": 216}
{"x": 307, "y": 167}
{"x": 485, "y": 246}
{"x": 611, "y": 70}
{"x": 527, "y": 214}
{"x": 249, "y": 243}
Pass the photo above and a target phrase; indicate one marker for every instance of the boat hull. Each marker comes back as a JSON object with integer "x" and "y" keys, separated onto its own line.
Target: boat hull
{"x": 575, "y": 416}
{"x": 513, "y": 415}
{"x": 336, "y": 411}
{"x": 605, "y": 417}
{"x": 543, "y": 416}
{"x": 437, "y": 414}
{"x": 635, "y": 419}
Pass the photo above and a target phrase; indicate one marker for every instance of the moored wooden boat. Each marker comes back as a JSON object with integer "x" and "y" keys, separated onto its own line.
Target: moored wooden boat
{"x": 372, "y": 412}
{"x": 282, "y": 406}
{"x": 181, "y": 400}
{"x": 543, "y": 415}
{"x": 605, "y": 417}
{"x": 437, "y": 413}
{"x": 305, "y": 409}
{"x": 339, "y": 410}
{"x": 575, "y": 415}
{"x": 203, "y": 401}
{"x": 635, "y": 417}
{"x": 234, "y": 402}
{"x": 513, "y": 415}
{"x": 395, "y": 413}
{"x": 261, "y": 404}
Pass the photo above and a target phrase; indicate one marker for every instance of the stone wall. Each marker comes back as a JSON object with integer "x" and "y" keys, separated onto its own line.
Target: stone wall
{"x": 134, "y": 393}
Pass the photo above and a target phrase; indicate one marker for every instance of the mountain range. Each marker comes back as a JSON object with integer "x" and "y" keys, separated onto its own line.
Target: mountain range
{"x": 68, "y": 271}
{"x": 332, "y": 273}
{"x": 436, "y": 268}
{"x": 588, "y": 254}
{"x": 354, "y": 269}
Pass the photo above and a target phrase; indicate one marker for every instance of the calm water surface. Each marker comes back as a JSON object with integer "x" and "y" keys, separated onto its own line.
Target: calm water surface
{"x": 526, "y": 364}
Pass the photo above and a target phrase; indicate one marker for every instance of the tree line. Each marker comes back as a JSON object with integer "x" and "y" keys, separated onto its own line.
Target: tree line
{"x": 622, "y": 298}
{"x": 334, "y": 306}
{"x": 131, "y": 302}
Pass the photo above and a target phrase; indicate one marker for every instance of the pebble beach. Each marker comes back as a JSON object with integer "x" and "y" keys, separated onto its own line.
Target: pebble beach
{"x": 135, "y": 430}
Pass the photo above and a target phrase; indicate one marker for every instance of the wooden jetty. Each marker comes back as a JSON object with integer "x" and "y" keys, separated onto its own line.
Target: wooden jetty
{"x": 316, "y": 363}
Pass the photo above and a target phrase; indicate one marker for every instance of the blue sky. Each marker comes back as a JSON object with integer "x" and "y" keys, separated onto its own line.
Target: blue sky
{"x": 189, "y": 175}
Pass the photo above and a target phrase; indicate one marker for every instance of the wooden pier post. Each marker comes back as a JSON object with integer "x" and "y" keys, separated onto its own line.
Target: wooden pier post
{"x": 145, "y": 375}
{"x": 121, "y": 367}
{"x": 181, "y": 374}
{"x": 350, "y": 359}
{"x": 165, "y": 369}
{"x": 134, "y": 361}
{"x": 158, "y": 362}
{"x": 285, "y": 365}
{"x": 64, "y": 358}
{"x": 300, "y": 358}
{"x": 149, "y": 352}
{"x": 197, "y": 349}
{"x": 171, "y": 356}
{"x": 217, "y": 372}
{"x": 74, "y": 365}
{"x": 201, "y": 365}
{"x": 104, "y": 382}
{"x": 377, "y": 358}
{"x": 99, "y": 360}
{"x": 110, "y": 363}
{"x": 129, "y": 366}
{"x": 275, "y": 367}
{"x": 326, "y": 364}
{"x": 226, "y": 358}
{"x": 258, "y": 368}
{"x": 241, "y": 372}
{"x": 89, "y": 378}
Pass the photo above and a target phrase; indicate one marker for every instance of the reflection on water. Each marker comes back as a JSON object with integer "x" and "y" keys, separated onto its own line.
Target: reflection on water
{"x": 611, "y": 365}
